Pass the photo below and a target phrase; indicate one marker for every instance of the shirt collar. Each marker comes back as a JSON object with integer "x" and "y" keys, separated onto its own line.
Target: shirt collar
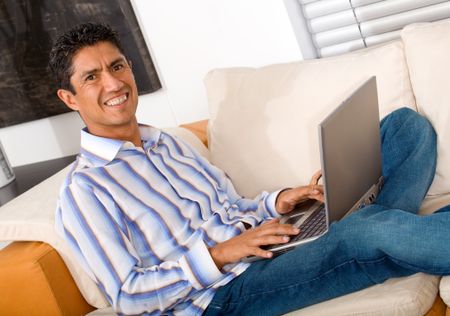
{"x": 150, "y": 136}
{"x": 101, "y": 150}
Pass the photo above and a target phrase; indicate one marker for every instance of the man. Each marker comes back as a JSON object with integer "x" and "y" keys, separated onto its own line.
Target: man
{"x": 161, "y": 230}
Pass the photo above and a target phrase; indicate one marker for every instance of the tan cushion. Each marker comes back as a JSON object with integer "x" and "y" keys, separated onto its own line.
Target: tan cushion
{"x": 31, "y": 217}
{"x": 263, "y": 125}
{"x": 35, "y": 281}
{"x": 427, "y": 48}
{"x": 199, "y": 129}
{"x": 194, "y": 134}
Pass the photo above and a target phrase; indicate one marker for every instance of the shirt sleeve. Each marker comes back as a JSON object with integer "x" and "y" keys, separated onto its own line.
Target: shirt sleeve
{"x": 88, "y": 220}
{"x": 254, "y": 211}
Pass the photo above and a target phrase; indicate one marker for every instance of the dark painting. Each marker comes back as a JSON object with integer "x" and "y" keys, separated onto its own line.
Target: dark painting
{"x": 28, "y": 29}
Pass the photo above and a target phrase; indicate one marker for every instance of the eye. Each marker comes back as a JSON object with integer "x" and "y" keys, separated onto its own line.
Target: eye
{"x": 118, "y": 67}
{"x": 90, "y": 77}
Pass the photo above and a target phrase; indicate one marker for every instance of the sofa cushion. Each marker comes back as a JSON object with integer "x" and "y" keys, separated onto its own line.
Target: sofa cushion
{"x": 444, "y": 289}
{"x": 263, "y": 122}
{"x": 427, "y": 49}
{"x": 432, "y": 203}
{"x": 30, "y": 217}
{"x": 413, "y": 295}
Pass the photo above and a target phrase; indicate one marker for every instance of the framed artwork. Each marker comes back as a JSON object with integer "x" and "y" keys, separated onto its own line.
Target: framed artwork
{"x": 28, "y": 29}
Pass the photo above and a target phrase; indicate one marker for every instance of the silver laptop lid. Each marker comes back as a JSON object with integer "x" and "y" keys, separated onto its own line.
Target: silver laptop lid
{"x": 351, "y": 150}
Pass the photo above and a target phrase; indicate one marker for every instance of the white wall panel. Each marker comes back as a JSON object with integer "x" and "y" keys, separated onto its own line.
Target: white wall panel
{"x": 43, "y": 139}
{"x": 186, "y": 39}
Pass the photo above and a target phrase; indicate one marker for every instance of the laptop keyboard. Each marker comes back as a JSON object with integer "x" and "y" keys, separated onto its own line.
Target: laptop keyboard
{"x": 316, "y": 224}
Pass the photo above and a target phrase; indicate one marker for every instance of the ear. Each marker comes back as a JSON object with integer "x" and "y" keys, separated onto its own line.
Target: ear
{"x": 68, "y": 98}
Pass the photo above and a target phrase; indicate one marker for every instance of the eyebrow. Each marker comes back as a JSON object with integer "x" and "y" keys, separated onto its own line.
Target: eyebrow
{"x": 92, "y": 71}
{"x": 116, "y": 61}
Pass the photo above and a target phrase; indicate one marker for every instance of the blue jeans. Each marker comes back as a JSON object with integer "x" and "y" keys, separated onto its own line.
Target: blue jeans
{"x": 386, "y": 239}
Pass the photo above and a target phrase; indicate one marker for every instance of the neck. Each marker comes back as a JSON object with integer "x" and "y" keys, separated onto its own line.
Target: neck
{"x": 130, "y": 133}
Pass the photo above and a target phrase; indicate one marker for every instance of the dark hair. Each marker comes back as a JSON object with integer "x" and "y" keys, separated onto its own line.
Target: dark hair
{"x": 68, "y": 44}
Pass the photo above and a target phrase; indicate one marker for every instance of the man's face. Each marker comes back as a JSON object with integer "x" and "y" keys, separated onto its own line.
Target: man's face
{"x": 106, "y": 93}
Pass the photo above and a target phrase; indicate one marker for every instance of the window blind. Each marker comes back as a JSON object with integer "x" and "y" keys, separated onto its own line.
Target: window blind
{"x": 340, "y": 26}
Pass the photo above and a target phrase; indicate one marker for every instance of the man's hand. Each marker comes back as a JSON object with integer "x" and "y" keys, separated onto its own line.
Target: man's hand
{"x": 288, "y": 199}
{"x": 270, "y": 233}
{"x": 249, "y": 242}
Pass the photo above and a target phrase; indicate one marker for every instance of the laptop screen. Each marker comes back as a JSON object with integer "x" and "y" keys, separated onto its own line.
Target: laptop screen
{"x": 351, "y": 150}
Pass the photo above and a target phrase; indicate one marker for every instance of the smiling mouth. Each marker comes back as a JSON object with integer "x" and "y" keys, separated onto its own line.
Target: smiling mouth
{"x": 117, "y": 101}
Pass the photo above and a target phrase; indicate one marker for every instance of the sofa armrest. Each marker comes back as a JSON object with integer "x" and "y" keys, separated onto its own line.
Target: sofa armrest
{"x": 198, "y": 129}
{"x": 194, "y": 134}
{"x": 34, "y": 279}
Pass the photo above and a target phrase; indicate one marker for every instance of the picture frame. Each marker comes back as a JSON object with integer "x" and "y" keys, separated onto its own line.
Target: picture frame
{"x": 27, "y": 33}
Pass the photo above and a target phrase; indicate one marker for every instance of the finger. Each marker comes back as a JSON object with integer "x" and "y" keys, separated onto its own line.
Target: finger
{"x": 300, "y": 193}
{"x": 256, "y": 251}
{"x": 316, "y": 177}
{"x": 318, "y": 197}
{"x": 278, "y": 229}
{"x": 270, "y": 240}
{"x": 271, "y": 221}
{"x": 316, "y": 189}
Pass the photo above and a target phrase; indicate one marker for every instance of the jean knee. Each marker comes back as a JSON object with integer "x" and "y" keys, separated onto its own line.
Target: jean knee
{"x": 409, "y": 122}
{"x": 410, "y": 119}
{"x": 358, "y": 238}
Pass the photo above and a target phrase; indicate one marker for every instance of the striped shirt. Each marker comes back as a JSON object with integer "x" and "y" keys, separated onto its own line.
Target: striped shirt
{"x": 141, "y": 220}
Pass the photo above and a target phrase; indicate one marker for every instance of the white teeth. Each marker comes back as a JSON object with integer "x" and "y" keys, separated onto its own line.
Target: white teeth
{"x": 117, "y": 100}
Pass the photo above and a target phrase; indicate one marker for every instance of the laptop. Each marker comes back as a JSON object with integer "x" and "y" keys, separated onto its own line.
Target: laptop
{"x": 350, "y": 154}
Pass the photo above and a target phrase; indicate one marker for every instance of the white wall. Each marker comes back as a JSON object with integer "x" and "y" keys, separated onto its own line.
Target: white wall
{"x": 186, "y": 39}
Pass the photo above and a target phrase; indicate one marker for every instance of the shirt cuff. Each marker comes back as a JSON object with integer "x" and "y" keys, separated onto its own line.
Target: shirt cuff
{"x": 270, "y": 202}
{"x": 199, "y": 266}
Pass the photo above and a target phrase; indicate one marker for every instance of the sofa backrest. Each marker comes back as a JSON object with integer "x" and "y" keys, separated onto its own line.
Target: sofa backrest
{"x": 263, "y": 122}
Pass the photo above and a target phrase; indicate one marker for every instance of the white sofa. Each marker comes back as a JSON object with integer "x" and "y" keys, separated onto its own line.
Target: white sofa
{"x": 262, "y": 132}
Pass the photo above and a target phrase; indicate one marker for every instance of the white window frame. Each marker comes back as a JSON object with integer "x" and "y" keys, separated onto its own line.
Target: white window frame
{"x": 306, "y": 40}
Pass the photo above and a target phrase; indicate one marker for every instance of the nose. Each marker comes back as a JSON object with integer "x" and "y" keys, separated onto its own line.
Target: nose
{"x": 111, "y": 83}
